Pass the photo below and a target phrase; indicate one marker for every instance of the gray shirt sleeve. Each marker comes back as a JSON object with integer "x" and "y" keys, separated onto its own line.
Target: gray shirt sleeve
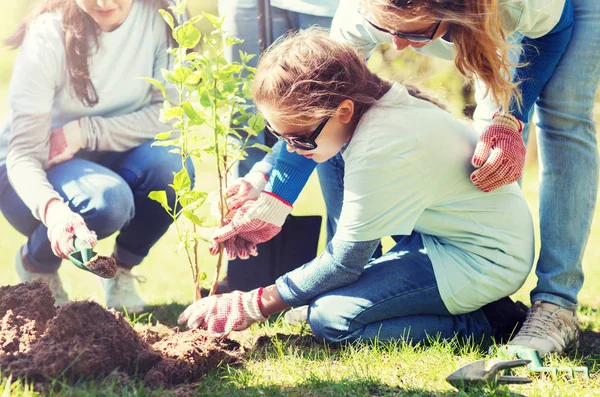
{"x": 36, "y": 74}
{"x": 124, "y": 132}
{"x": 27, "y": 156}
{"x": 341, "y": 264}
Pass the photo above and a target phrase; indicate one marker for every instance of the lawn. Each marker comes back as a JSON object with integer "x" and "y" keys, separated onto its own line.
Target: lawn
{"x": 287, "y": 366}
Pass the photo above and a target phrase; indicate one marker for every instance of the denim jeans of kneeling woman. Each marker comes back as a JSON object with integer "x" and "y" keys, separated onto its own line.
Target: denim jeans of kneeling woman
{"x": 110, "y": 191}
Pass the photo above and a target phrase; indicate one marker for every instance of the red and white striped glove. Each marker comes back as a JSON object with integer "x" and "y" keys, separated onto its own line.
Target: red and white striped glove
{"x": 65, "y": 142}
{"x": 63, "y": 225}
{"x": 244, "y": 189}
{"x": 235, "y": 247}
{"x": 254, "y": 222}
{"x": 221, "y": 314}
{"x": 238, "y": 193}
{"x": 500, "y": 153}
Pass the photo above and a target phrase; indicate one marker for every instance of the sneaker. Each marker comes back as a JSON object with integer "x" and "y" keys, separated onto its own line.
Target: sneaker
{"x": 51, "y": 279}
{"x": 548, "y": 329}
{"x": 120, "y": 291}
{"x": 296, "y": 315}
{"x": 505, "y": 318}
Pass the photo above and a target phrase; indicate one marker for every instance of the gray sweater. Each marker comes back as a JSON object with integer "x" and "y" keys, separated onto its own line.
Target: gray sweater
{"x": 41, "y": 97}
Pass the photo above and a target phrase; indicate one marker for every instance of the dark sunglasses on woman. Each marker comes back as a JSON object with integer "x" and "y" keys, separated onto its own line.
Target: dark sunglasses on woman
{"x": 414, "y": 37}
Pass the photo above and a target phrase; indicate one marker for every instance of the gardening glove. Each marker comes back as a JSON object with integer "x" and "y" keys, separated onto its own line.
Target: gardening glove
{"x": 500, "y": 153}
{"x": 235, "y": 247}
{"x": 63, "y": 226}
{"x": 254, "y": 222}
{"x": 65, "y": 141}
{"x": 240, "y": 191}
{"x": 221, "y": 314}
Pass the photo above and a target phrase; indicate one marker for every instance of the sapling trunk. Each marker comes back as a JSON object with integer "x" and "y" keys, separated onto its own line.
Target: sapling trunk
{"x": 211, "y": 91}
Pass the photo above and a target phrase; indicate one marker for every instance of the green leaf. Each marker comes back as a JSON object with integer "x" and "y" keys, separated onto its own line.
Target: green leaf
{"x": 262, "y": 147}
{"x": 240, "y": 119}
{"x": 217, "y": 23}
{"x": 169, "y": 114}
{"x": 247, "y": 90}
{"x": 162, "y": 136}
{"x": 193, "y": 217}
{"x": 205, "y": 99}
{"x": 195, "y": 19}
{"x": 181, "y": 74}
{"x": 193, "y": 79}
{"x": 180, "y": 6}
{"x": 192, "y": 114}
{"x": 167, "y": 17}
{"x": 170, "y": 142}
{"x": 187, "y": 35}
{"x": 257, "y": 123}
{"x": 157, "y": 84}
{"x": 168, "y": 76}
{"x": 182, "y": 180}
{"x": 232, "y": 40}
{"x": 161, "y": 197}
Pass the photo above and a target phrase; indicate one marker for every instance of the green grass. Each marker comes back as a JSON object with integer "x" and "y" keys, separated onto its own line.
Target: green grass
{"x": 288, "y": 368}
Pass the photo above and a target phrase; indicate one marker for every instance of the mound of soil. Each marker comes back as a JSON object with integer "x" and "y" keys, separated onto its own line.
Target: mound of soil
{"x": 24, "y": 309}
{"x": 188, "y": 355}
{"x": 82, "y": 340}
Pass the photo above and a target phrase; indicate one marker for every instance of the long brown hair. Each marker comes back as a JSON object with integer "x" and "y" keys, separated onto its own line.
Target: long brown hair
{"x": 80, "y": 30}
{"x": 481, "y": 47}
{"x": 304, "y": 77}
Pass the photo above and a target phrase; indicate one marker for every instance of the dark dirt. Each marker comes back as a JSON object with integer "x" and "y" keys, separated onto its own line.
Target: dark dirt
{"x": 82, "y": 340}
{"x": 103, "y": 266}
{"x": 24, "y": 309}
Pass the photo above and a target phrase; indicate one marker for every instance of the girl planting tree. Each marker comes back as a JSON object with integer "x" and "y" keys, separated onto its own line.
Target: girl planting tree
{"x": 557, "y": 71}
{"x": 76, "y": 151}
{"x": 460, "y": 252}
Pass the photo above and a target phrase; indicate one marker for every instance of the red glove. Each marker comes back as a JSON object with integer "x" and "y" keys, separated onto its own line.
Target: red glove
{"x": 63, "y": 225}
{"x": 221, "y": 314}
{"x": 500, "y": 153}
{"x": 255, "y": 222}
{"x": 65, "y": 142}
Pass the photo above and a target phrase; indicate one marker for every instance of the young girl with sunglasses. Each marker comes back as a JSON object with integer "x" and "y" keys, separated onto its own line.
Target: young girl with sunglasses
{"x": 76, "y": 155}
{"x": 459, "y": 251}
{"x": 557, "y": 70}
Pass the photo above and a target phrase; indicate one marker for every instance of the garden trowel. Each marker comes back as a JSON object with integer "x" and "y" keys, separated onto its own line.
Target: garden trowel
{"x": 478, "y": 374}
{"x": 85, "y": 258}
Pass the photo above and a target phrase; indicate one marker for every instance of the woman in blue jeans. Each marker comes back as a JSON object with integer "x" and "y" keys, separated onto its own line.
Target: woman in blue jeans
{"x": 559, "y": 74}
{"x": 76, "y": 155}
{"x": 460, "y": 251}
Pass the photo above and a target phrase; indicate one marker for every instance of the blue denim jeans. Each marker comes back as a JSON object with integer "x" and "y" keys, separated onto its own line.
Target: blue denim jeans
{"x": 110, "y": 191}
{"x": 396, "y": 297}
{"x": 241, "y": 21}
{"x": 568, "y": 155}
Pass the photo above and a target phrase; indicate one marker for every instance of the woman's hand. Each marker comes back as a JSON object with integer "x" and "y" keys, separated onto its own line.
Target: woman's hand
{"x": 63, "y": 226}
{"x": 500, "y": 153}
{"x": 254, "y": 222}
{"x": 221, "y": 314}
{"x": 65, "y": 142}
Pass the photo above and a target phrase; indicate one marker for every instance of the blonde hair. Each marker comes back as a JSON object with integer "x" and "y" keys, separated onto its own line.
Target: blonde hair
{"x": 481, "y": 47}
{"x": 305, "y": 76}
